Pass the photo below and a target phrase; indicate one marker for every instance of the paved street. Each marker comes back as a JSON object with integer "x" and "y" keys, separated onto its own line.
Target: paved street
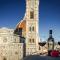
{"x": 36, "y": 57}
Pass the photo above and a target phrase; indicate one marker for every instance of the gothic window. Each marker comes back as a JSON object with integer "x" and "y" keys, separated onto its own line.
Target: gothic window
{"x": 32, "y": 28}
{"x": 29, "y": 40}
{"x": 32, "y": 40}
{"x": 29, "y": 28}
{"x": 31, "y": 15}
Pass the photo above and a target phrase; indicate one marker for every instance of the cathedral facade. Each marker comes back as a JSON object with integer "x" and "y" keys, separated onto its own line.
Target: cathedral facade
{"x": 10, "y": 46}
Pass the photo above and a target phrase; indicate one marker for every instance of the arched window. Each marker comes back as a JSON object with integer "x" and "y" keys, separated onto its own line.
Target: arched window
{"x": 31, "y": 14}
{"x": 33, "y": 28}
{"x": 29, "y": 40}
{"x": 29, "y": 28}
{"x": 32, "y": 40}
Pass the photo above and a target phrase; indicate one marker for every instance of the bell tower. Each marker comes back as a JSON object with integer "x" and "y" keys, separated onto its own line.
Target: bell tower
{"x": 32, "y": 33}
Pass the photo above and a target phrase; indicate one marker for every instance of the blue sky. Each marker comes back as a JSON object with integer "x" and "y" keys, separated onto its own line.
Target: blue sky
{"x": 12, "y": 11}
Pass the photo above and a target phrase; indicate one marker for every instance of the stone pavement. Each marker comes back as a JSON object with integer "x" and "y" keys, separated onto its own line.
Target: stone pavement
{"x": 37, "y": 57}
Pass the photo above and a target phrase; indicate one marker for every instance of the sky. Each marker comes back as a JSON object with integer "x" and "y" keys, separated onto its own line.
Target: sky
{"x": 12, "y": 12}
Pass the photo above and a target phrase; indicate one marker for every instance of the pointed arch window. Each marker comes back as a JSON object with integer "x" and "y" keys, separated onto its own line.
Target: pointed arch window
{"x": 31, "y": 14}
{"x": 32, "y": 40}
{"x": 29, "y": 28}
{"x": 29, "y": 40}
{"x": 33, "y": 28}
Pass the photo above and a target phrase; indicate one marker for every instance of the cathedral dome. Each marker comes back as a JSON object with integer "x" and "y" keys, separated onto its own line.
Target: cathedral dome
{"x": 22, "y": 25}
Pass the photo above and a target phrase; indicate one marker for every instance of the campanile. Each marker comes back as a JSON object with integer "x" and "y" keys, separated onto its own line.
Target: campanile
{"x": 32, "y": 31}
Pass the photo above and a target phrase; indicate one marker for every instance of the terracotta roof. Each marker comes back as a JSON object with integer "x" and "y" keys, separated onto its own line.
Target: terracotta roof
{"x": 22, "y": 25}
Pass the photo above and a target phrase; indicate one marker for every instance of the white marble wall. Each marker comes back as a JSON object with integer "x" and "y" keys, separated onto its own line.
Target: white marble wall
{"x": 10, "y": 46}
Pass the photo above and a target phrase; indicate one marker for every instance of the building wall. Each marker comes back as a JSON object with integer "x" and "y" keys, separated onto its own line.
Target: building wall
{"x": 10, "y": 46}
{"x": 13, "y": 51}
